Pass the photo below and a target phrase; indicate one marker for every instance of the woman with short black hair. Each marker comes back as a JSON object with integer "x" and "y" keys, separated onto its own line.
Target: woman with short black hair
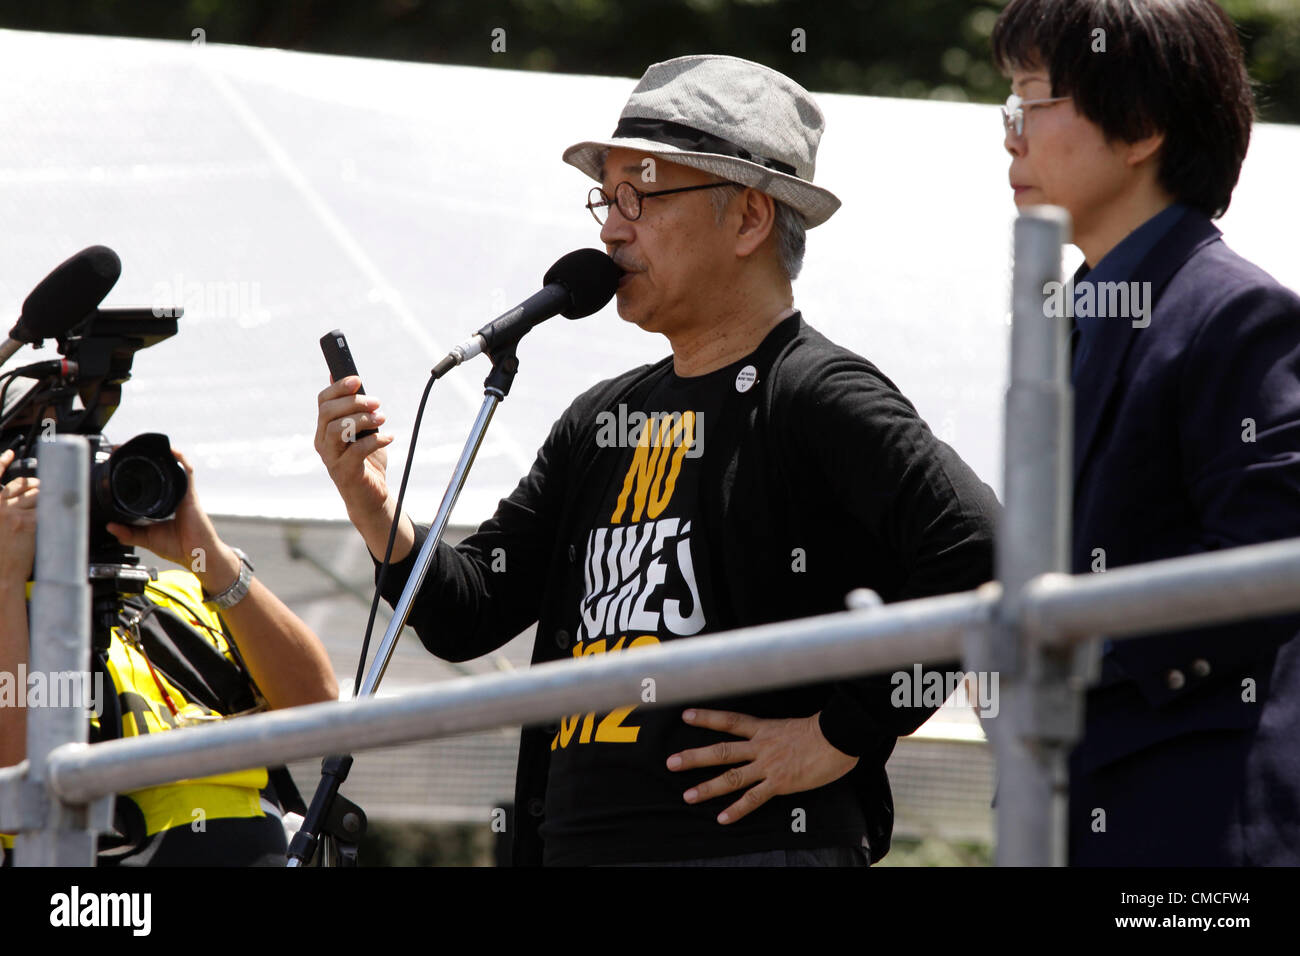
{"x": 1135, "y": 115}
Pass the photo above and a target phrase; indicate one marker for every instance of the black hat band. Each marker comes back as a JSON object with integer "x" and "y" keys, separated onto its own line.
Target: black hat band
{"x": 691, "y": 139}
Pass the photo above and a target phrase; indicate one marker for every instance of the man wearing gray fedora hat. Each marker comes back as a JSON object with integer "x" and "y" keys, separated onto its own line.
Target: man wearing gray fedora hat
{"x": 759, "y": 473}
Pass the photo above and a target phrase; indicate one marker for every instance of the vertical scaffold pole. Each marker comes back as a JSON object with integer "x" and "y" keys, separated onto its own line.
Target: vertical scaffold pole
{"x": 1042, "y": 712}
{"x": 60, "y": 650}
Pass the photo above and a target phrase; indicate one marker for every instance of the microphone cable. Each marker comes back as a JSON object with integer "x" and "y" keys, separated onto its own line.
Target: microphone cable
{"x": 392, "y": 537}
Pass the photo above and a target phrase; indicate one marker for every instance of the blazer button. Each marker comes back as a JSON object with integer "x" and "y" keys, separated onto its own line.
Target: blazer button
{"x": 1201, "y": 667}
{"x": 562, "y": 640}
{"x": 573, "y": 554}
{"x": 1175, "y": 679}
{"x": 536, "y": 807}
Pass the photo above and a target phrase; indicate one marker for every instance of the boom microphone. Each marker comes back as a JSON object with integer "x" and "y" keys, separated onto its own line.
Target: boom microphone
{"x": 579, "y": 284}
{"x": 64, "y": 297}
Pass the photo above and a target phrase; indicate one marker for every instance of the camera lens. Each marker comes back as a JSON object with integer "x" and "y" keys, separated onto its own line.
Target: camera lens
{"x": 137, "y": 483}
{"x": 140, "y": 488}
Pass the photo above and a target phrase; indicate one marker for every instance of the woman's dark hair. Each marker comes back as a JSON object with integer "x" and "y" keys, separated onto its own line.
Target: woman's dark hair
{"x": 1138, "y": 67}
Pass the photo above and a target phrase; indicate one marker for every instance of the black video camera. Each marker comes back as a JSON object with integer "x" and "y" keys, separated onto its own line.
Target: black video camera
{"x": 138, "y": 482}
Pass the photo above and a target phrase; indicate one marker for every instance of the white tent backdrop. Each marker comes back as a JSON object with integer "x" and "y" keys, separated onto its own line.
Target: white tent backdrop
{"x": 278, "y": 195}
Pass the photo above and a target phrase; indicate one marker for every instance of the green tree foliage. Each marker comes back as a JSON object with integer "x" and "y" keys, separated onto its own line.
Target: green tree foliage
{"x": 912, "y": 48}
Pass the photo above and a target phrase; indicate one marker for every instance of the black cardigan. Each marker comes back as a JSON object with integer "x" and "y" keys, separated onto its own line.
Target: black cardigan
{"x": 827, "y": 449}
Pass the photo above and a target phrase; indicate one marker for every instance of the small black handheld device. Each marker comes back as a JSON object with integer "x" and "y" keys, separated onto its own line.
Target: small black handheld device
{"x": 339, "y": 359}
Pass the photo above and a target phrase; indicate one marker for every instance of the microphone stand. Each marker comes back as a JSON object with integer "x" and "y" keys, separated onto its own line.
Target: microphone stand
{"x": 342, "y": 821}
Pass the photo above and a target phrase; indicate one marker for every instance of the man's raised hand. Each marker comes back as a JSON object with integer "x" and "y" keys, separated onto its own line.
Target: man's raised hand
{"x": 358, "y": 466}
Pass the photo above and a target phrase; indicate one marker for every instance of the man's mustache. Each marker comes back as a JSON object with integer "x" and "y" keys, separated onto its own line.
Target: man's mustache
{"x": 627, "y": 265}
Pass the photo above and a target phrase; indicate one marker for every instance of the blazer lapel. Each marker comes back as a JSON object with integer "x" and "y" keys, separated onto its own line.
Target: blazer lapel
{"x": 1099, "y": 374}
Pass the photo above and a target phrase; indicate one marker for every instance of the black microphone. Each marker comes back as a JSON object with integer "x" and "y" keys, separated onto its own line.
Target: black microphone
{"x": 64, "y": 297}
{"x": 579, "y": 284}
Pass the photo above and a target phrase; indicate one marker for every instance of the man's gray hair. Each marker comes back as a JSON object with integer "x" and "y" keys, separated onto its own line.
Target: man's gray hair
{"x": 791, "y": 233}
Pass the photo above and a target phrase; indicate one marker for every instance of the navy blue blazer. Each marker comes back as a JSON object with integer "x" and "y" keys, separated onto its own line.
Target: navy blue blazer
{"x": 1187, "y": 439}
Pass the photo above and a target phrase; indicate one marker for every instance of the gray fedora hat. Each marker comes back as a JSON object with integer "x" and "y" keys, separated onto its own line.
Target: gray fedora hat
{"x": 727, "y": 116}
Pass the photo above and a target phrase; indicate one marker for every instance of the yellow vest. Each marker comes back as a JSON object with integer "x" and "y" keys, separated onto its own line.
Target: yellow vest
{"x": 186, "y": 802}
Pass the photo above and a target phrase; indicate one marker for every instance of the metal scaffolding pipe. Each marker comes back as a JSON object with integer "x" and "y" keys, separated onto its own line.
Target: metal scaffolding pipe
{"x": 60, "y": 646}
{"x": 1031, "y": 738}
{"x": 1213, "y": 588}
{"x": 749, "y": 659}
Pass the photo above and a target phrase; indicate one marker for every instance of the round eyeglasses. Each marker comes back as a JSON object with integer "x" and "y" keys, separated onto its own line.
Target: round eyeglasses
{"x": 1013, "y": 112}
{"x": 629, "y": 198}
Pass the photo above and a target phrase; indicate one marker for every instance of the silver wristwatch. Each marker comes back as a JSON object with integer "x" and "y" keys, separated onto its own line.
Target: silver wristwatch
{"x": 236, "y": 592}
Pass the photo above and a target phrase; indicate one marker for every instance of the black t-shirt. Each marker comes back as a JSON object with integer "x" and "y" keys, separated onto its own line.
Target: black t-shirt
{"x": 649, "y": 576}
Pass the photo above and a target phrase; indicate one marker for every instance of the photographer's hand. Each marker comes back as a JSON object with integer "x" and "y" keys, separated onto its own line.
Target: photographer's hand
{"x": 18, "y": 534}
{"x": 358, "y": 466}
{"x": 188, "y": 539}
{"x": 286, "y": 659}
{"x": 17, "y": 526}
